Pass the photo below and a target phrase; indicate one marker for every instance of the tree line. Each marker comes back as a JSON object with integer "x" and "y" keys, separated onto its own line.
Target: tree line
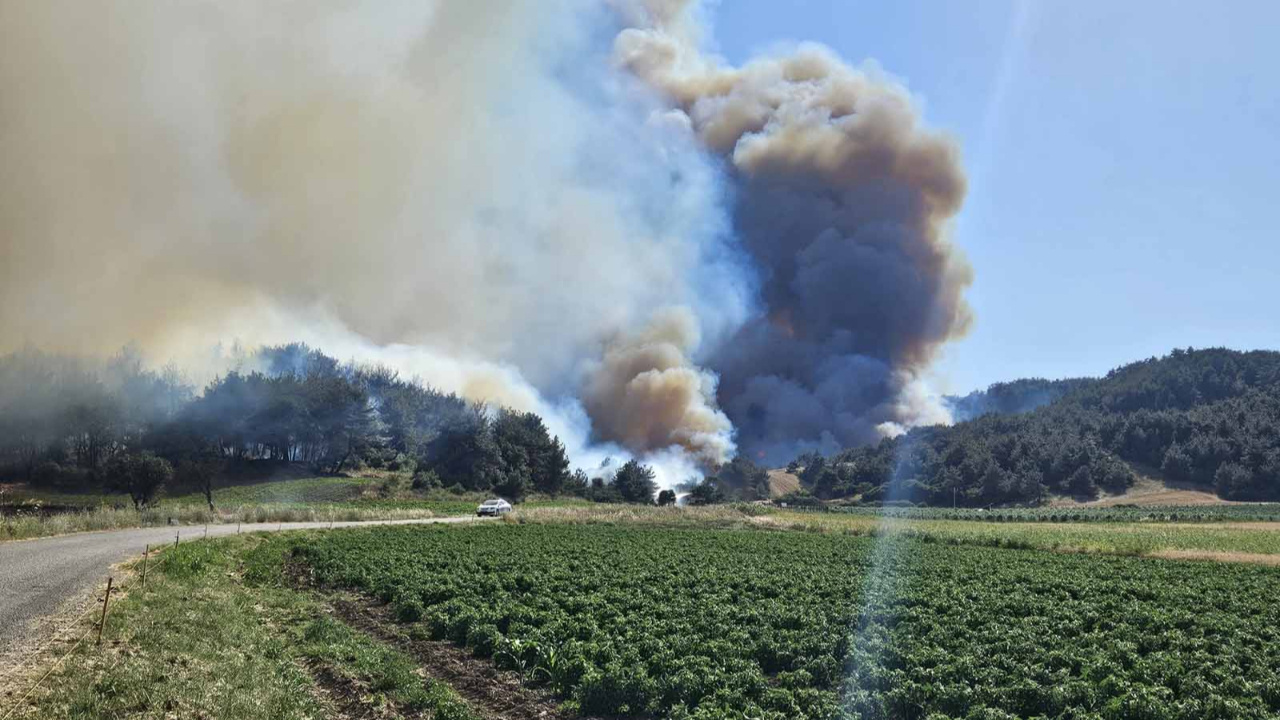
{"x": 1207, "y": 417}
{"x": 80, "y": 424}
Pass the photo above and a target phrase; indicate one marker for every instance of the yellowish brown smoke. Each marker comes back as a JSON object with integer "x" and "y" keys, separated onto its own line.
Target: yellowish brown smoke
{"x": 418, "y": 183}
{"x": 410, "y": 183}
{"x": 646, "y": 393}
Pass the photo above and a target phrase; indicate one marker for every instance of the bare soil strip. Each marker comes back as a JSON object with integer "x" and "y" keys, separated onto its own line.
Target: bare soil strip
{"x": 491, "y": 692}
{"x": 343, "y": 695}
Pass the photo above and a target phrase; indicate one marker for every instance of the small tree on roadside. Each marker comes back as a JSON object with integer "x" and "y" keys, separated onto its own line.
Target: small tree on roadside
{"x": 141, "y": 475}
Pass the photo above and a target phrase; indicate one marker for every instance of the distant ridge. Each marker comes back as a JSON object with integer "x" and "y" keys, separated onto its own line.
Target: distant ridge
{"x": 1200, "y": 421}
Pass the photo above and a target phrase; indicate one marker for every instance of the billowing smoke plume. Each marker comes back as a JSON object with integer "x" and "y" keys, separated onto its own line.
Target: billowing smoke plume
{"x": 507, "y": 198}
{"x": 842, "y": 201}
{"x": 646, "y": 393}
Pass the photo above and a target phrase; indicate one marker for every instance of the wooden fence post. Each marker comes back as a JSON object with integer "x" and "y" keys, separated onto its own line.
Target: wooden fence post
{"x": 106, "y": 599}
{"x": 145, "y": 553}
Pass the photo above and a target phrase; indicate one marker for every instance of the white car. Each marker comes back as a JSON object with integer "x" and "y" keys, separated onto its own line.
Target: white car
{"x": 493, "y": 508}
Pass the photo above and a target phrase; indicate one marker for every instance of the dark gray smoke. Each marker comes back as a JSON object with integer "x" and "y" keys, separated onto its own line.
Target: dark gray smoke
{"x": 843, "y": 201}
{"x": 518, "y": 201}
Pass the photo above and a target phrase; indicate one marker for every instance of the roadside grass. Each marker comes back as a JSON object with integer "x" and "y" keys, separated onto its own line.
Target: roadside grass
{"x": 237, "y": 492}
{"x": 300, "y": 490}
{"x": 23, "y": 527}
{"x": 19, "y": 495}
{"x": 313, "y": 499}
{"x": 218, "y": 635}
{"x": 308, "y": 499}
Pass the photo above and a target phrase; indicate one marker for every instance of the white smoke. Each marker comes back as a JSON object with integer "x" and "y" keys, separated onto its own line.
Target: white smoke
{"x": 495, "y": 196}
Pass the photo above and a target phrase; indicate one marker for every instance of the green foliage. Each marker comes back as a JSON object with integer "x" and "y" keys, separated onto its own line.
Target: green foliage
{"x": 1191, "y": 413}
{"x": 192, "y": 560}
{"x": 426, "y": 479}
{"x": 511, "y": 454}
{"x": 529, "y": 451}
{"x": 63, "y": 421}
{"x": 202, "y": 644}
{"x": 1010, "y": 398}
{"x": 293, "y": 491}
{"x": 634, "y": 483}
{"x": 393, "y": 486}
{"x": 578, "y": 484}
{"x": 1080, "y": 484}
{"x": 602, "y": 492}
{"x": 1253, "y": 512}
{"x": 802, "y": 625}
{"x": 741, "y": 479}
{"x": 1234, "y": 481}
{"x": 140, "y": 475}
{"x": 707, "y": 492}
{"x": 200, "y": 475}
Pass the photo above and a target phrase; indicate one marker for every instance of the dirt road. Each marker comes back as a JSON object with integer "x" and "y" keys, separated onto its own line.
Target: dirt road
{"x": 38, "y": 576}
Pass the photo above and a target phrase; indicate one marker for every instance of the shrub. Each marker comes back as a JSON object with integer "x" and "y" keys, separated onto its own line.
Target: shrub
{"x": 402, "y": 462}
{"x": 484, "y": 639}
{"x": 706, "y": 492}
{"x": 393, "y": 486}
{"x": 426, "y": 479}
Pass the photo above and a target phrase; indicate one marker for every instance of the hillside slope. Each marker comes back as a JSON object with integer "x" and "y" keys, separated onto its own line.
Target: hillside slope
{"x": 1150, "y": 488}
{"x": 1203, "y": 420}
{"x": 782, "y": 483}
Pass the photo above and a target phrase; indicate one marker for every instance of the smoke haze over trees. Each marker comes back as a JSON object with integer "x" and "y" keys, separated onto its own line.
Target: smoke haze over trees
{"x": 562, "y": 207}
{"x": 116, "y": 426}
{"x": 1007, "y": 398}
{"x": 81, "y": 425}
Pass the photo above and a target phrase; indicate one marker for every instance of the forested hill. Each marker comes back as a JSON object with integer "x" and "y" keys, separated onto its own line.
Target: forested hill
{"x": 1209, "y": 417}
{"x": 78, "y": 424}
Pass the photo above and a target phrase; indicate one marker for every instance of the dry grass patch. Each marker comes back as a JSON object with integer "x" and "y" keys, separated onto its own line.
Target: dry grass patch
{"x": 1231, "y": 557}
{"x": 782, "y": 482}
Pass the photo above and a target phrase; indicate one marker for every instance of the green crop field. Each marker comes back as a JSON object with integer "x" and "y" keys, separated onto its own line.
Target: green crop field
{"x": 703, "y": 623}
{"x": 1225, "y": 540}
{"x": 1243, "y": 512}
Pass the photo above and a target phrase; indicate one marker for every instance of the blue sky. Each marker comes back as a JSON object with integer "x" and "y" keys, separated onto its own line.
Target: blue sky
{"x": 1124, "y": 161}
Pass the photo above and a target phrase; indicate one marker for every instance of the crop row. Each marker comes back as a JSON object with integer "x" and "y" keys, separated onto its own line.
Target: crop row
{"x": 712, "y": 624}
{"x": 1254, "y": 512}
